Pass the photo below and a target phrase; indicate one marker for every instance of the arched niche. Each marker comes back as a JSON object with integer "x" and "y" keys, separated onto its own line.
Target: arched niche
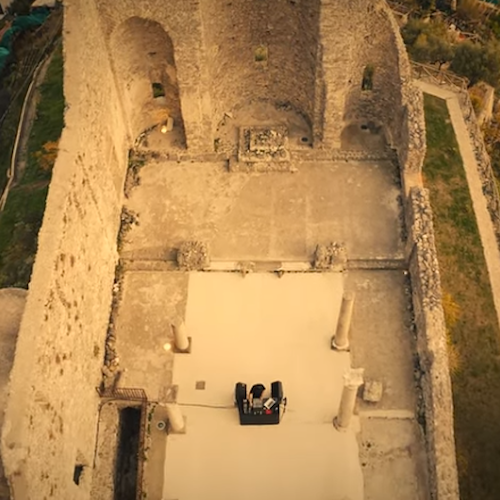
{"x": 144, "y": 65}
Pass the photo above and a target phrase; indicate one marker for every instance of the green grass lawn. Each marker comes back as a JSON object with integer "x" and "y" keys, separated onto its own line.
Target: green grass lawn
{"x": 474, "y": 335}
{"x": 22, "y": 217}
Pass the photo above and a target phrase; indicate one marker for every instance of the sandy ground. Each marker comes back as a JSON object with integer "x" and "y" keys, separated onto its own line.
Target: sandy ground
{"x": 12, "y": 301}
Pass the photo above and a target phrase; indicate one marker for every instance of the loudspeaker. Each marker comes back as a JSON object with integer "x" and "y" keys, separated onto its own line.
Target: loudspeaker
{"x": 277, "y": 391}
{"x": 240, "y": 392}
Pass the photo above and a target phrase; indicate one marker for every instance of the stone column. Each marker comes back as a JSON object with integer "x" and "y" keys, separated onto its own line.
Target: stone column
{"x": 175, "y": 419}
{"x": 352, "y": 380}
{"x": 341, "y": 339}
{"x": 181, "y": 339}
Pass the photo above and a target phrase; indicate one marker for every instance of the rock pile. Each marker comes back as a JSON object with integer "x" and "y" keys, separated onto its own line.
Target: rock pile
{"x": 332, "y": 257}
{"x": 110, "y": 369}
{"x": 426, "y": 255}
{"x": 193, "y": 256}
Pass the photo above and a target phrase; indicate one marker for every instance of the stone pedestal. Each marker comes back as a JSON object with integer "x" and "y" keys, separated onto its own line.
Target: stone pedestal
{"x": 181, "y": 340}
{"x": 341, "y": 339}
{"x": 353, "y": 379}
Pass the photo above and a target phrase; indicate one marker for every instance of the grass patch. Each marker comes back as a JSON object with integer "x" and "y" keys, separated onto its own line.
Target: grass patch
{"x": 473, "y": 330}
{"x": 22, "y": 217}
{"x": 7, "y": 138}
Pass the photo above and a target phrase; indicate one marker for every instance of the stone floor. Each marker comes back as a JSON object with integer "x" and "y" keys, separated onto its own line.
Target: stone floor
{"x": 266, "y": 216}
{"x": 273, "y": 216}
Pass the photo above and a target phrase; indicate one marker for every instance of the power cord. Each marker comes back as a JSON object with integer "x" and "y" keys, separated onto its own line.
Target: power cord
{"x": 200, "y": 405}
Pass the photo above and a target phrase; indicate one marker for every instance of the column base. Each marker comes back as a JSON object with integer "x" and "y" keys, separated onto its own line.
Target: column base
{"x": 337, "y": 347}
{"x": 337, "y": 425}
{"x": 183, "y": 351}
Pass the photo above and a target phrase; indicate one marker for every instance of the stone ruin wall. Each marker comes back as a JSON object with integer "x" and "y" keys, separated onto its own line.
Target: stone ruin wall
{"x": 288, "y": 30}
{"x": 394, "y": 102}
{"x": 51, "y": 419}
{"x": 432, "y": 347}
{"x": 130, "y": 29}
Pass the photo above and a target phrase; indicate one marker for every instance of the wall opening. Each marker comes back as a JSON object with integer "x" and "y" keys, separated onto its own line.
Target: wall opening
{"x": 260, "y": 54}
{"x": 158, "y": 90}
{"x": 127, "y": 457}
{"x": 367, "y": 82}
{"x": 78, "y": 473}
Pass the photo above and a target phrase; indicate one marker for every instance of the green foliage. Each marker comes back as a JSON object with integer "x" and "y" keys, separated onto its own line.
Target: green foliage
{"x": 20, "y": 7}
{"x": 22, "y": 217}
{"x": 478, "y": 62}
{"x": 474, "y": 333}
{"x": 494, "y": 25}
{"x": 49, "y": 121}
{"x": 428, "y": 42}
{"x": 158, "y": 90}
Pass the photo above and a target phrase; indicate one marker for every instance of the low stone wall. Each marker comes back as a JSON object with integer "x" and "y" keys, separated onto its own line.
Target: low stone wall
{"x": 431, "y": 347}
{"x": 458, "y": 85}
{"x": 490, "y": 188}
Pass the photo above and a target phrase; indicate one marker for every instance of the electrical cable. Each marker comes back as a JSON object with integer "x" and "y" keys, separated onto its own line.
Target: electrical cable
{"x": 200, "y": 405}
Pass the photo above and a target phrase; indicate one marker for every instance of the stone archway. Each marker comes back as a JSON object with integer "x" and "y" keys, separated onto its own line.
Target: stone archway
{"x": 146, "y": 76}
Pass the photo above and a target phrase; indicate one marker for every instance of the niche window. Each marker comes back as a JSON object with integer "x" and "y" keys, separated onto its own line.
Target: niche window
{"x": 77, "y": 473}
{"x": 367, "y": 82}
{"x": 158, "y": 90}
{"x": 260, "y": 54}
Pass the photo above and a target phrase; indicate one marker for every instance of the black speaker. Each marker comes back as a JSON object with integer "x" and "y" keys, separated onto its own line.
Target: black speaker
{"x": 240, "y": 392}
{"x": 277, "y": 391}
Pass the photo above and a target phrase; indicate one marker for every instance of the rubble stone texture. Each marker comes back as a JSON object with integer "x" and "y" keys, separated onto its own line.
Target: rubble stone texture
{"x": 193, "y": 256}
{"x": 431, "y": 347}
{"x": 203, "y": 55}
{"x": 372, "y": 391}
{"x": 332, "y": 257}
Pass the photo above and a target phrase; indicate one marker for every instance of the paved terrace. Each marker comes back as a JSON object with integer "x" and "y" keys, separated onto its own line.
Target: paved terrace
{"x": 260, "y": 328}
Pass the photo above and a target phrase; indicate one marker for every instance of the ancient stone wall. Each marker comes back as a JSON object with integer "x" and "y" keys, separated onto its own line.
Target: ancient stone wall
{"x": 261, "y": 51}
{"x": 393, "y": 103}
{"x": 155, "y": 40}
{"x": 51, "y": 419}
{"x": 431, "y": 346}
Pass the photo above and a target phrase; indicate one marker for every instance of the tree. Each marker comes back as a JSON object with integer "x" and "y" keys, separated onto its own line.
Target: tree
{"x": 478, "y": 62}
{"x": 428, "y": 41}
{"x": 20, "y": 7}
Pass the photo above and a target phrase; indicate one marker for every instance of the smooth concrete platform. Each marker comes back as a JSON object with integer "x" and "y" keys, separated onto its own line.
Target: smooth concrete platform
{"x": 262, "y": 328}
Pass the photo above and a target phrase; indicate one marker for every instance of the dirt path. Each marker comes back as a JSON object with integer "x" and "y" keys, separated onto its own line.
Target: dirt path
{"x": 28, "y": 114}
{"x": 485, "y": 226}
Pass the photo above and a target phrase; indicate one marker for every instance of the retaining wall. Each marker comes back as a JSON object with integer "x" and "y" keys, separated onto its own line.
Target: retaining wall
{"x": 432, "y": 349}
{"x": 51, "y": 418}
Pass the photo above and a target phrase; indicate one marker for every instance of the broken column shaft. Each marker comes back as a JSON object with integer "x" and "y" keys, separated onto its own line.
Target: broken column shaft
{"x": 341, "y": 339}
{"x": 181, "y": 339}
{"x": 352, "y": 381}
